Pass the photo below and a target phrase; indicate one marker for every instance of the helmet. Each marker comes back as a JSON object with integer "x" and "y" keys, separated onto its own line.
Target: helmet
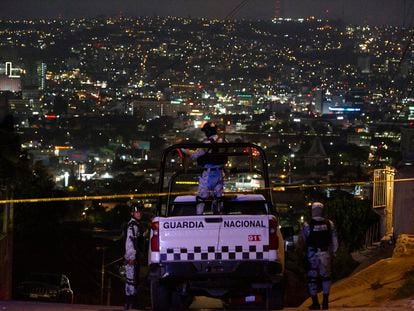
{"x": 317, "y": 208}
{"x": 209, "y": 129}
{"x": 317, "y": 205}
{"x": 135, "y": 206}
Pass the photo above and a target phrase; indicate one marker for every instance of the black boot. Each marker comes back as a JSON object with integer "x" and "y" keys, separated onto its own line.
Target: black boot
{"x": 315, "y": 303}
{"x": 325, "y": 301}
{"x": 133, "y": 302}
{"x": 129, "y": 301}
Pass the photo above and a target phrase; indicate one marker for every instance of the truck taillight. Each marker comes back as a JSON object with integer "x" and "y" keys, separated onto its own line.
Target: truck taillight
{"x": 155, "y": 239}
{"x": 273, "y": 238}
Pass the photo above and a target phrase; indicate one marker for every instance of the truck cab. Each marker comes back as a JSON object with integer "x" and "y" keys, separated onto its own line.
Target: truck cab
{"x": 236, "y": 255}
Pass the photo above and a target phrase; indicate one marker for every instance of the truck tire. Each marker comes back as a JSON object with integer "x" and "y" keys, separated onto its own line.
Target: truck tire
{"x": 275, "y": 297}
{"x": 160, "y": 296}
{"x": 181, "y": 302}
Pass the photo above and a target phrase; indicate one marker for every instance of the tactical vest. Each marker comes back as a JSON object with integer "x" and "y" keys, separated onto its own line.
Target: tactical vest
{"x": 320, "y": 234}
{"x": 212, "y": 156}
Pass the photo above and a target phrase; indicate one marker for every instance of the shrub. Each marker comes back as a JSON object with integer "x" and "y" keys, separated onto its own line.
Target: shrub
{"x": 343, "y": 264}
{"x": 407, "y": 288}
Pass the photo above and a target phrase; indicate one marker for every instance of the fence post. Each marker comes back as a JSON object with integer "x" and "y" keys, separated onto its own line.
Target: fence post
{"x": 108, "y": 293}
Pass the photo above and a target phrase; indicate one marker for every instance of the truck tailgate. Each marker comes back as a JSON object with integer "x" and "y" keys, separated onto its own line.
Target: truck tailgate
{"x": 244, "y": 237}
{"x": 214, "y": 237}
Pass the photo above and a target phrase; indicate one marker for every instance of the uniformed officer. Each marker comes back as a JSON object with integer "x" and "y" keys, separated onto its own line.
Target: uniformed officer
{"x": 321, "y": 244}
{"x": 210, "y": 183}
{"x": 132, "y": 254}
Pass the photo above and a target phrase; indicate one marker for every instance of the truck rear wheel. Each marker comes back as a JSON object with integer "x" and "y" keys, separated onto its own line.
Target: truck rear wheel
{"x": 181, "y": 302}
{"x": 274, "y": 297}
{"x": 160, "y": 296}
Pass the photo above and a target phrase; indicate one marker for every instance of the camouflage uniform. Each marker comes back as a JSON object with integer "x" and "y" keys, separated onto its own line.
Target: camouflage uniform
{"x": 132, "y": 263}
{"x": 210, "y": 183}
{"x": 321, "y": 244}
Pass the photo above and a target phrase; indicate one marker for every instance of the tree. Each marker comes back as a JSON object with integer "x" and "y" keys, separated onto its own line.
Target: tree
{"x": 352, "y": 218}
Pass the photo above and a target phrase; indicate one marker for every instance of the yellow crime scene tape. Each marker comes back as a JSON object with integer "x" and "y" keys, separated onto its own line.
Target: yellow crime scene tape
{"x": 131, "y": 196}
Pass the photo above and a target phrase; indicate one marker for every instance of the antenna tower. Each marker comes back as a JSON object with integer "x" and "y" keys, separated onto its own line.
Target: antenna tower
{"x": 278, "y": 8}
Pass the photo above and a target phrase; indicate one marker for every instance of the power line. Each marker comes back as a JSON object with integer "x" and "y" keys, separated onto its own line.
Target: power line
{"x": 233, "y": 12}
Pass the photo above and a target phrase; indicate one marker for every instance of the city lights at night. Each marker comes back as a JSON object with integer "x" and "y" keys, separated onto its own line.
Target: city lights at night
{"x": 229, "y": 141}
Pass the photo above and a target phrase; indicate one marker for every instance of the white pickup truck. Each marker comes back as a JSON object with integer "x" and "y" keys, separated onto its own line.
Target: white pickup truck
{"x": 236, "y": 256}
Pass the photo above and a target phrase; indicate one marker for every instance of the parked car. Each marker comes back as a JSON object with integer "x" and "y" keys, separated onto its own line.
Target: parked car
{"x": 46, "y": 287}
{"x": 289, "y": 237}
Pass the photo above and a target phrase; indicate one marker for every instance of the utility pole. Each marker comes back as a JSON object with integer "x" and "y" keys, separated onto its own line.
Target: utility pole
{"x": 102, "y": 248}
{"x": 278, "y": 9}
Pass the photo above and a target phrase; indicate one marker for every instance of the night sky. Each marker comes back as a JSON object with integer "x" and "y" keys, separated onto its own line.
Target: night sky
{"x": 395, "y": 12}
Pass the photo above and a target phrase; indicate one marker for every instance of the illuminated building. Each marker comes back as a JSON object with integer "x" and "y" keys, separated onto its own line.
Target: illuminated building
{"x": 10, "y": 84}
{"x": 41, "y": 75}
{"x": 8, "y": 69}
